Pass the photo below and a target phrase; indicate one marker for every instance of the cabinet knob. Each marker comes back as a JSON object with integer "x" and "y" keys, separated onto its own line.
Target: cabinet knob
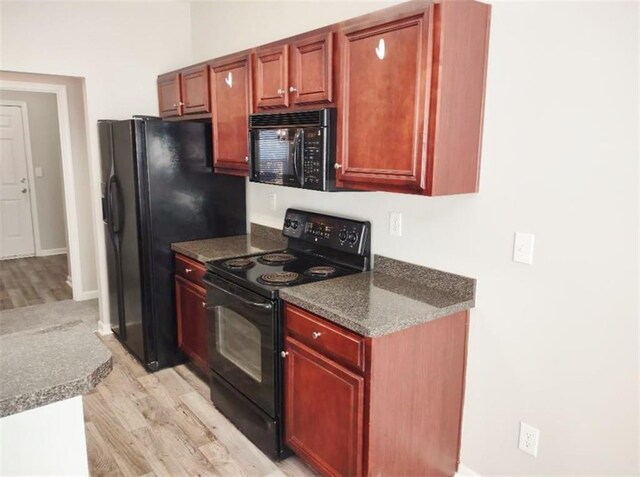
{"x": 316, "y": 335}
{"x": 293, "y": 89}
{"x": 204, "y": 304}
{"x": 24, "y": 191}
{"x": 337, "y": 166}
{"x": 188, "y": 270}
{"x": 246, "y": 158}
{"x": 175, "y": 105}
{"x": 284, "y": 354}
{"x": 181, "y": 103}
{"x": 281, "y": 92}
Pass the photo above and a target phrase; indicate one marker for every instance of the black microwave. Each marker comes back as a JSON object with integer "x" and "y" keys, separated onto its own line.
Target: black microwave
{"x": 295, "y": 149}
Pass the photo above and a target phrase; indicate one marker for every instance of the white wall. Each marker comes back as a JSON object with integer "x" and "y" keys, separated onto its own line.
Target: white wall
{"x": 554, "y": 344}
{"x": 45, "y": 151}
{"x": 117, "y": 47}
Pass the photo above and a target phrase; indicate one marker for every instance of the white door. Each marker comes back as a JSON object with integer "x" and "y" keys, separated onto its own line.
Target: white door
{"x": 16, "y": 226}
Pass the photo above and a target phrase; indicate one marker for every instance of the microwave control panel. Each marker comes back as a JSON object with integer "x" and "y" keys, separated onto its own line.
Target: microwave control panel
{"x": 313, "y": 164}
{"x": 328, "y": 231}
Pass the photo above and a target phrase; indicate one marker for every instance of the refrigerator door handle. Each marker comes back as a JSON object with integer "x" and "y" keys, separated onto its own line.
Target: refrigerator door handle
{"x": 116, "y": 213}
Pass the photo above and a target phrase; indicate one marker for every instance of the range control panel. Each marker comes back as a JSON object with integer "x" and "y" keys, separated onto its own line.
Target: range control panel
{"x": 351, "y": 236}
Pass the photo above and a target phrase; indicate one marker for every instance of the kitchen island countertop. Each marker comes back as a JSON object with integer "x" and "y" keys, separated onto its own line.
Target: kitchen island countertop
{"x": 46, "y": 358}
{"x": 393, "y": 296}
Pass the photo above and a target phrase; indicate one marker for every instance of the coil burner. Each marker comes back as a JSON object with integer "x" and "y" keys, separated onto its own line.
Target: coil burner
{"x": 321, "y": 271}
{"x": 276, "y": 258}
{"x": 279, "y": 278}
{"x": 239, "y": 264}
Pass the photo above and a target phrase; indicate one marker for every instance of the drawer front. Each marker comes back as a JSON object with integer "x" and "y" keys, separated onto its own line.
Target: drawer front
{"x": 190, "y": 269}
{"x": 340, "y": 344}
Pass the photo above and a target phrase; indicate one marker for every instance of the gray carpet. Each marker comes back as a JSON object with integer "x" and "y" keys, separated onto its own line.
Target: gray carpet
{"x": 29, "y": 317}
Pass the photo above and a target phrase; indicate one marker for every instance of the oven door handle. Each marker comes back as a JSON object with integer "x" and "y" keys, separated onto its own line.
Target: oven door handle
{"x": 297, "y": 141}
{"x": 265, "y": 306}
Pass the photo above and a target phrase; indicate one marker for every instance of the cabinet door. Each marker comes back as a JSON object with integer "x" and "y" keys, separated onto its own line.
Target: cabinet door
{"x": 192, "y": 322}
{"x": 272, "y": 77}
{"x": 312, "y": 70}
{"x": 323, "y": 411}
{"x": 231, "y": 105}
{"x": 384, "y": 78}
{"x": 169, "y": 95}
{"x": 195, "y": 90}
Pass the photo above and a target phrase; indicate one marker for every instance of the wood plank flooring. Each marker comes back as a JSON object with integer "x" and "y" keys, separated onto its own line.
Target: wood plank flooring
{"x": 164, "y": 424}
{"x": 33, "y": 281}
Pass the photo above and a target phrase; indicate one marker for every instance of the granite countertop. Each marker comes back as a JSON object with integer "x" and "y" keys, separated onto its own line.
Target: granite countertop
{"x": 394, "y": 296}
{"x": 44, "y": 360}
{"x": 261, "y": 239}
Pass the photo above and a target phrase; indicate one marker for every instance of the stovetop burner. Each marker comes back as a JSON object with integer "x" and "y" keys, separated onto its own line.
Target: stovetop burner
{"x": 276, "y": 258}
{"x": 239, "y": 264}
{"x": 279, "y": 278}
{"x": 321, "y": 271}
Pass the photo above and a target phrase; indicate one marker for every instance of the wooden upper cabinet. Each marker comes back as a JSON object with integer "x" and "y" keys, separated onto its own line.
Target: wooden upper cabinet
{"x": 384, "y": 82}
{"x": 231, "y": 101}
{"x": 411, "y": 98}
{"x": 299, "y": 73}
{"x": 195, "y": 90}
{"x": 312, "y": 69}
{"x": 272, "y": 77}
{"x": 169, "y": 95}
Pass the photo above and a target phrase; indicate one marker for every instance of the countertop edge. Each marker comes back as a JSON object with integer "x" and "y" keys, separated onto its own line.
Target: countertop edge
{"x": 346, "y": 322}
{"x": 59, "y": 392}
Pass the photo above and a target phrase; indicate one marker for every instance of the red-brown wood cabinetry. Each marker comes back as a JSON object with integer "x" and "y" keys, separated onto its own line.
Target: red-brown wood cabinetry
{"x": 169, "y": 95}
{"x": 411, "y": 97}
{"x": 184, "y": 93}
{"x": 231, "y": 99}
{"x": 390, "y": 405}
{"x": 191, "y": 313}
{"x": 298, "y": 73}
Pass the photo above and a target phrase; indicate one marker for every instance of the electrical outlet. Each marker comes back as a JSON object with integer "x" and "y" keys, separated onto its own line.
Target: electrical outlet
{"x": 528, "y": 441}
{"x": 273, "y": 201}
{"x": 395, "y": 224}
{"x": 523, "y": 248}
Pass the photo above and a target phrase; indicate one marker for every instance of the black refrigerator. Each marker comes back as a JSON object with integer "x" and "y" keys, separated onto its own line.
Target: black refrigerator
{"x": 158, "y": 187}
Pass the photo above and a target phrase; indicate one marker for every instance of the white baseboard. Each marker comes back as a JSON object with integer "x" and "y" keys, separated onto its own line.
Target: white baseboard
{"x": 13, "y": 257}
{"x": 51, "y": 251}
{"x": 69, "y": 282}
{"x": 104, "y": 328}
{"x": 88, "y": 295}
{"x": 464, "y": 471}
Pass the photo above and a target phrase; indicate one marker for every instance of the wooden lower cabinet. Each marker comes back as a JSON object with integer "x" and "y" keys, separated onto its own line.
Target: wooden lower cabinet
{"x": 324, "y": 410}
{"x": 192, "y": 323}
{"x": 398, "y": 415}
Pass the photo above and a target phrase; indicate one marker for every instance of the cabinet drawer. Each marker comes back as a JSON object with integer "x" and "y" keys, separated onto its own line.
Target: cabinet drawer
{"x": 340, "y": 344}
{"x": 190, "y": 269}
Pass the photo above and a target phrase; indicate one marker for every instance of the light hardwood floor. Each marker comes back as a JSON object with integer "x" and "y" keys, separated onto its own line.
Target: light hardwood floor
{"x": 33, "y": 281}
{"x": 164, "y": 424}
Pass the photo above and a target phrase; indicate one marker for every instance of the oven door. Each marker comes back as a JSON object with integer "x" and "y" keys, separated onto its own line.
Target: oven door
{"x": 242, "y": 340}
{"x": 276, "y": 156}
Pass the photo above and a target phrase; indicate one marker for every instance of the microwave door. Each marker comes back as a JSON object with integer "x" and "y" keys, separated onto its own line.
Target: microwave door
{"x": 273, "y": 157}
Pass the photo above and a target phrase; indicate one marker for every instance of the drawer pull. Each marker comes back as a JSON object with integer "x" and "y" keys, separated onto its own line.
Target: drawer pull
{"x": 188, "y": 270}
{"x": 284, "y": 353}
{"x": 204, "y": 304}
{"x": 316, "y": 335}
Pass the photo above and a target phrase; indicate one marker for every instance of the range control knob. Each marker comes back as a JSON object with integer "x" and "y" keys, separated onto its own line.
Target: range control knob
{"x": 342, "y": 235}
{"x": 353, "y": 237}
{"x": 287, "y": 223}
{"x": 294, "y": 224}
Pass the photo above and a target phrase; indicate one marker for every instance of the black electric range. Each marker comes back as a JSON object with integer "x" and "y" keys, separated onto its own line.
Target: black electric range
{"x": 246, "y": 316}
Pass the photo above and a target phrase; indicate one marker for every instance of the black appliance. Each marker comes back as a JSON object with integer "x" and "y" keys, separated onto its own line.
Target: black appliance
{"x": 246, "y": 316}
{"x": 295, "y": 149}
{"x": 158, "y": 187}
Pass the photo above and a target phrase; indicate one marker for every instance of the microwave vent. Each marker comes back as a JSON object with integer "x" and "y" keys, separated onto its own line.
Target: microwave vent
{"x": 317, "y": 117}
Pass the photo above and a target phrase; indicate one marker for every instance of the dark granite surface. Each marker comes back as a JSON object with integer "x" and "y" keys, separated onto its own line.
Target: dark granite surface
{"x": 44, "y": 359}
{"x": 261, "y": 239}
{"x": 394, "y": 296}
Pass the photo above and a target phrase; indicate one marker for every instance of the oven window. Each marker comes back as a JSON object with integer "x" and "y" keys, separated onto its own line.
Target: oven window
{"x": 239, "y": 342}
{"x": 274, "y": 162}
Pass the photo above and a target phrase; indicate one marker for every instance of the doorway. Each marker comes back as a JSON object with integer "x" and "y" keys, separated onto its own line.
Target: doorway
{"x": 16, "y": 205}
